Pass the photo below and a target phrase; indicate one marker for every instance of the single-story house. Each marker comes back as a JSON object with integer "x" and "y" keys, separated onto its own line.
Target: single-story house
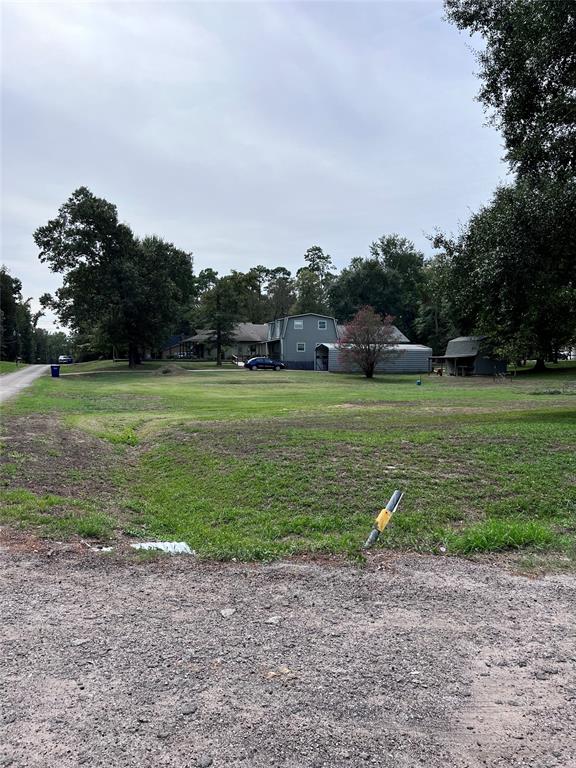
{"x": 249, "y": 341}
{"x": 468, "y": 356}
{"x": 405, "y": 358}
{"x": 175, "y": 345}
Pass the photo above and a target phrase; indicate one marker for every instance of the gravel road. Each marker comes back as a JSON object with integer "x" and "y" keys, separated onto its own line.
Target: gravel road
{"x": 410, "y": 661}
{"x": 13, "y": 383}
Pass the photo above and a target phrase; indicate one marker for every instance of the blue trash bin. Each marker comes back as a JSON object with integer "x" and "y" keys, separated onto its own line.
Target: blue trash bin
{"x": 55, "y": 371}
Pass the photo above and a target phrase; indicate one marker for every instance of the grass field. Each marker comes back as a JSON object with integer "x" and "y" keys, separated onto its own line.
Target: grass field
{"x": 121, "y": 366}
{"x": 268, "y": 464}
{"x": 8, "y": 367}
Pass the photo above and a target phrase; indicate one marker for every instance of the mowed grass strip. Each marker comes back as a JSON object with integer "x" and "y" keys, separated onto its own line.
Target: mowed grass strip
{"x": 7, "y": 367}
{"x": 263, "y": 465}
{"x": 54, "y": 515}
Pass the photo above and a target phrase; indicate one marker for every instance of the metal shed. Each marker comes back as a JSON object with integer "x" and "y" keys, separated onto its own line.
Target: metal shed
{"x": 407, "y": 358}
{"x": 469, "y": 356}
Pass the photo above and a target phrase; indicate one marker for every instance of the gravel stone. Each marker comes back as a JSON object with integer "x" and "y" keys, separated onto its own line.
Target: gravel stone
{"x": 384, "y": 665}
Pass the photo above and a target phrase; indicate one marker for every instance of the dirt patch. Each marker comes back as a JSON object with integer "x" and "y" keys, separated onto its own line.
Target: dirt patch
{"x": 170, "y": 370}
{"x": 413, "y": 661}
{"x": 375, "y": 404}
{"x": 44, "y": 456}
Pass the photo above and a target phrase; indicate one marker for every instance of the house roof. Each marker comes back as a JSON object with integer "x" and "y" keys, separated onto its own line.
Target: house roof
{"x": 464, "y": 346}
{"x": 249, "y": 332}
{"x": 397, "y": 347}
{"x": 173, "y": 341}
{"x": 397, "y": 336}
{"x": 203, "y": 335}
{"x": 304, "y": 314}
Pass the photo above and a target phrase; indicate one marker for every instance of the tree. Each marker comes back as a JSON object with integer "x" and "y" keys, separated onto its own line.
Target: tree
{"x": 404, "y": 268}
{"x": 390, "y": 280}
{"x": 319, "y": 262}
{"x": 125, "y": 290}
{"x": 433, "y": 324}
{"x": 368, "y": 338}
{"x": 252, "y": 305}
{"x": 313, "y": 282}
{"x": 513, "y": 270}
{"x": 50, "y": 345}
{"x": 16, "y": 320}
{"x": 165, "y": 282}
{"x": 365, "y": 282}
{"x": 310, "y": 296}
{"x": 279, "y": 292}
{"x": 528, "y": 69}
{"x": 219, "y": 310}
{"x": 10, "y": 298}
{"x": 513, "y": 266}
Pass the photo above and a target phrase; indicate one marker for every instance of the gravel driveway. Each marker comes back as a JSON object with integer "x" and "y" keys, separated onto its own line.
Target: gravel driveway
{"x": 414, "y": 661}
{"x": 13, "y": 383}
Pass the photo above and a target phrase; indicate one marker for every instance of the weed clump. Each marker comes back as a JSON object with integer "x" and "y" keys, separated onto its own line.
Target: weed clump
{"x": 500, "y": 535}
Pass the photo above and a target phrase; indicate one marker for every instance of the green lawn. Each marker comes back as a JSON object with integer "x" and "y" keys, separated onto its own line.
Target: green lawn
{"x": 8, "y": 367}
{"x": 147, "y": 366}
{"x": 267, "y": 464}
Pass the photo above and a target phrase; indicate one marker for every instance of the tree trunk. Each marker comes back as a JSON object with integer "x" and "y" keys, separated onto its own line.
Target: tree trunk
{"x": 219, "y": 347}
{"x": 369, "y": 370}
{"x": 134, "y": 358}
{"x": 540, "y": 367}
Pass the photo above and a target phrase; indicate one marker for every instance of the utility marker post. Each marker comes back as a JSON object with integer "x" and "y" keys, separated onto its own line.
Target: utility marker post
{"x": 383, "y": 518}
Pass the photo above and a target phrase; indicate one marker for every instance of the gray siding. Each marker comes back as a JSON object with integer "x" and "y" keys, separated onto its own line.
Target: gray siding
{"x": 488, "y": 366}
{"x": 309, "y": 335}
{"x": 408, "y": 358}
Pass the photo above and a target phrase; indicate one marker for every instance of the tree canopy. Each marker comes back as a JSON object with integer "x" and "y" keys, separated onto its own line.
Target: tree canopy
{"x": 219, "y": 310}
{"x": 512, "y": 270}
{"x": 16, "y": 321}
{"x": 313, "y": 282}
{"x": 528, "y": 72}
{"x": 130, "y": 289}
{"x": 20, "y": 338}
{"x": 390, "y": 280}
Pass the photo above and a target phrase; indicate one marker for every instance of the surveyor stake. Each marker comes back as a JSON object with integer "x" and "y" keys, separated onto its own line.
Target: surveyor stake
{"x": 383, "y": 518}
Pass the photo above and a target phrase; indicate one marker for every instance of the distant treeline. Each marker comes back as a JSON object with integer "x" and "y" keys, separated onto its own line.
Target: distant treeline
{"x": 508, "y": 274}
{"x": 20, "y": 338}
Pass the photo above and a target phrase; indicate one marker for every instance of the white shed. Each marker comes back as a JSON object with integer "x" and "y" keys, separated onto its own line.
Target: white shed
{"x": 406, "y": 358}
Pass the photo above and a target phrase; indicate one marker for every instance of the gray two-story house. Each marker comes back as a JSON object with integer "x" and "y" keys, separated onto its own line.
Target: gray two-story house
{"x": 293, "y": 339}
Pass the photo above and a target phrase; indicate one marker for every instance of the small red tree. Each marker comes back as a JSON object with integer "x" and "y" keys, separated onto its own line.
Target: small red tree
{"x": 368, "y": 338}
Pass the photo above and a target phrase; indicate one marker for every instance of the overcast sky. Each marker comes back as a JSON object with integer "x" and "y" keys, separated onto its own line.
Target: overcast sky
{"x": 244, "y": 132}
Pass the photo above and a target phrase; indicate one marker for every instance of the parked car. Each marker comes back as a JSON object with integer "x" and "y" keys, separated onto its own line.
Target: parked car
{"x": 263, "y": 362}
{"x": 65, "y": 359}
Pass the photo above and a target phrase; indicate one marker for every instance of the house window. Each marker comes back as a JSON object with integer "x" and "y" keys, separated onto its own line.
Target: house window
{"x": 322, "y": 325}
{"x": 301, "y": 346}
{"x": 298, "y": 325}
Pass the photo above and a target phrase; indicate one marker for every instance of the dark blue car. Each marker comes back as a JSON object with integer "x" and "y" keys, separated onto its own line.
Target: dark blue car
{"x": 263, "y": 362}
